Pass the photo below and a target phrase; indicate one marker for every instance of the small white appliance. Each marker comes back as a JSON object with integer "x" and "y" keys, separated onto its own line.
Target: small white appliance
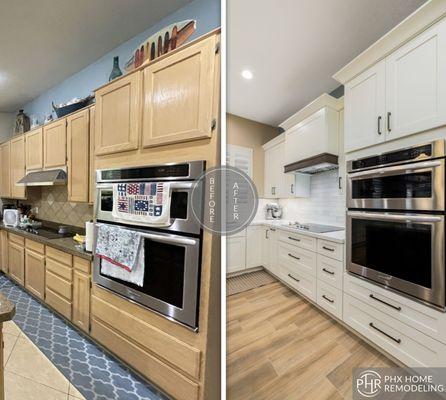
{"x": 11, "y": 217}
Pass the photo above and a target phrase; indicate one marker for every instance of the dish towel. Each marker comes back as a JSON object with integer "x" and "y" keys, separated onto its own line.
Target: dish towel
{"x": 121, "y": 252}
{"x": 147, "y": 203}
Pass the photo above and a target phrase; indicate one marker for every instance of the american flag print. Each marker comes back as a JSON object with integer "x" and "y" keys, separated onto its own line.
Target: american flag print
{"x": 141, "y": 205}
{"x": 123, "y": 205}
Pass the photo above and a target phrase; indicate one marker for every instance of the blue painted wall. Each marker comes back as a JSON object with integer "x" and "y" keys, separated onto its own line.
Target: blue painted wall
{"x": 207, "y": 14}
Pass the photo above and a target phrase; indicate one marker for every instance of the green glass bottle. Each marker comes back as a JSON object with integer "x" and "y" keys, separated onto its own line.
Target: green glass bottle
{"x": 116, "y": 71}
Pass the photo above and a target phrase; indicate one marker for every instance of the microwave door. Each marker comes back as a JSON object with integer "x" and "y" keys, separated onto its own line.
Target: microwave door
{"x": 404, "y": 252}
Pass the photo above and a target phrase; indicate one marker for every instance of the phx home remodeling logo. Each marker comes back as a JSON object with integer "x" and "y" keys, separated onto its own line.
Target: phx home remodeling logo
{"x": 368, "y": 383}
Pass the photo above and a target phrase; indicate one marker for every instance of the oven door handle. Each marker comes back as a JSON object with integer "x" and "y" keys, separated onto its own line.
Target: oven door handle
{"x": 376, "y": 172}
{"x": 394, "y": 217}
{"x": 170, "y": 239}
{"x": 181, "y": 185}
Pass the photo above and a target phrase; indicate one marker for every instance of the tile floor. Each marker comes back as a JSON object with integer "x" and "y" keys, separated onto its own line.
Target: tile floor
{"x": 28, "y": 372}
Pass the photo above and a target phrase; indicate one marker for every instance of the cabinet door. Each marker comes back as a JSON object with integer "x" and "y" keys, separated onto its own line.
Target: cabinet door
{"x": 235, "y": 254}
{"x": 178, "y": 96}
{"x": 268, "y": 175}
{"x": 272, "y": 251}
{"x": 6, "y": 171}
{"x": 16, "y": 262}
{"x": 365, "y": 108}
{"x": 81, "y": 300}
{"x": 34, "y": 149}
{"x": 92, "y": 167}
{"x": 55, "y": 144}
{"x": 275, "y": 179}
{"x": 35, "y": 273}
{"x": 118, "y": 114}
{"x": 4, "y": 251}
{"x": 265, "y": 248}
{"x": 253, "y": 244}
{"x": 78, "y": 150}
{"x": 17, "y": 165}
{"x": 416, "y": 84}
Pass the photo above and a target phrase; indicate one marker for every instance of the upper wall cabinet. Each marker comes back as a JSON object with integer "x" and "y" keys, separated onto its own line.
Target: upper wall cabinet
{"x": 117, "y": 122}
{"x": 403, "y": 94}
{"x": 5, "y": 153}
{"x": 178, "y": 96}
{"x": 17, "y": 165}
{"x": 78, "y": 150}
{"x": 34, "y": 149}
{"x": 365, "y": 108}
{"x": 55, "y": 144}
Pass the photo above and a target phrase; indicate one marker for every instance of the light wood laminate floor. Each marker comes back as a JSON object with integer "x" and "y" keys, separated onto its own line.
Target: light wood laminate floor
{"x": 281, "y": 347}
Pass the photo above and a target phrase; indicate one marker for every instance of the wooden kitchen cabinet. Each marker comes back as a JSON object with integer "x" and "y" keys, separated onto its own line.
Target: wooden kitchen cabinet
{"x": 78, "y": 157}
{"x": 5, "y": 153}
{"x": 178, "y": 96}
{"x": 4, "y": 251}
{"x": 17, "y": 165}
{"x": 35, "y": 272}
{"x": 81, "y": 300}
{"x": 34, "y": 149}
{"x": 16, "y": 256}
{"x": 92, "y": 177}
{"x": 55, "y": 144}
{"x": 118, "y": 115}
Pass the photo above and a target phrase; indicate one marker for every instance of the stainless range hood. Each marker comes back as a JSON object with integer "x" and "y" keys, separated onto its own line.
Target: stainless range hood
{"x": 44, "y": 178}
{"x": 313, "y": 165}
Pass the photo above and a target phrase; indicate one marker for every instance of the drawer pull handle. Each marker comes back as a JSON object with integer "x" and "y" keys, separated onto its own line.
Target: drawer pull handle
{"x": 384, "y": 302}
{"x": 328, "y": 299}
{"x": 295, "y": 257}
{"x": 292, "y": 277}
{"x": 328, "y": 248}
{"x": 384, "y": 333}
{"x": 297, "y": 240}
{"x": 327, "y": 271}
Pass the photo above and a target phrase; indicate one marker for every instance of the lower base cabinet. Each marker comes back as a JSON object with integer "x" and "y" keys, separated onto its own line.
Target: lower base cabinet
{"x": 16, "y": 256}
{"x": 81, "y": 293}
{"x": 236, "y": 253}
{"x": 35, "y": 273}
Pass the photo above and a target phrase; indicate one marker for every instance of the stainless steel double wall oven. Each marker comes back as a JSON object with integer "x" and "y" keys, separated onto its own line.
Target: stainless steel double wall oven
{"x": 172, "y": 254}
{"x": 395, "y": 221}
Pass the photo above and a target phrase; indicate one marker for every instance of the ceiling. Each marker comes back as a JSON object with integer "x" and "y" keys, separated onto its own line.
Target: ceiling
{"x": 294, "y": 47}
{"x": 44, "y": 42}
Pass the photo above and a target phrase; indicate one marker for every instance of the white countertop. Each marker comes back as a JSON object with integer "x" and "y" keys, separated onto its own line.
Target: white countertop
{"x": 336, "y": 236}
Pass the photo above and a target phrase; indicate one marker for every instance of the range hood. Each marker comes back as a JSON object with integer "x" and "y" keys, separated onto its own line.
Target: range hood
{"x": 313, "y": 165}
{"x": 44, "y": 178}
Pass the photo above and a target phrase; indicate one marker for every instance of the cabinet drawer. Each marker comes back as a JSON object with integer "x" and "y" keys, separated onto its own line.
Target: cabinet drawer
{"x": 330, "y": 271}
{"x": 58, "y": 285}
{"x": 303, "y": 283}
{"x": 329, "y": 298}
{"x": 408, "y": 345}
{"x": 425, "y": 319}
{"x": 297, "y": 259}
{"x": 59, "y": 269}
{"x": 17, "y": 239}
{"x": 306, "y": 242}
{"x": 58, "y": 303}
{"x": 59, "y": 256}
{"x": 331, "y": 249}
{"x": 35, "y": 246}
{"x": 82, "y": 265}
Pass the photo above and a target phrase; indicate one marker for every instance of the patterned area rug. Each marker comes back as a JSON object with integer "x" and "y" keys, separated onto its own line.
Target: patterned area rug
{"x": 251, "y": 280}
{"x": 95, "y": 374}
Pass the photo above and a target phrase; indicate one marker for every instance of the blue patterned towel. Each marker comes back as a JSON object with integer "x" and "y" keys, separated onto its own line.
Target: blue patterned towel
{"x": 148, "y": 203}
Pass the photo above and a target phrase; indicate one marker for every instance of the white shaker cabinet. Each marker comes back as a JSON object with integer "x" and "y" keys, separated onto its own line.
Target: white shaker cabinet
{"x": 416, "y": 84}
{"x": 365, "y": 108}
{"x": 236, "y": 253}
{"x": 274, "y": 184}
{"x": 254, "y": 246}
{"x": 269, "y": 250}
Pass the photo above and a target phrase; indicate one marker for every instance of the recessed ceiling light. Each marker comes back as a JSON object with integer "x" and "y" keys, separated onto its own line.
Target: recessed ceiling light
{"x": 247, "y": 74}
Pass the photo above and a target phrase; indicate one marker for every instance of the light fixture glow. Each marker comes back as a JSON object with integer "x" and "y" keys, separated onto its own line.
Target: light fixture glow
{"x": 247, "y": 74}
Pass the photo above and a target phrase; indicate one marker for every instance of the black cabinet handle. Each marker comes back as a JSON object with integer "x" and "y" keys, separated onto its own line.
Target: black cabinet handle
{"x": 384, "y": 333}
{"x": 384, "y": 302}
{"x": 297, "y": 240}
{"x": 388, "y": 121}
{"x": 328, "y": 248}
{"x": 297, "y": 258}
{"x": 293, "y": 278}
{"x": 379, "y": 125}
{"x": 326, "y": 298}
{"x": 292, "y": 188}
{"x": 327, "y": 271}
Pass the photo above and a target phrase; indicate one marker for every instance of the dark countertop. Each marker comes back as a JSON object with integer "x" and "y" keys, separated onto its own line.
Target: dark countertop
{"x": 66, "y": 244}
{"x": 7, "y": 309}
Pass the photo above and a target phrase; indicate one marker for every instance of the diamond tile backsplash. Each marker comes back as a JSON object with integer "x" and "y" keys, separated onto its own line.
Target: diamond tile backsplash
{"x": 54, "y": 206}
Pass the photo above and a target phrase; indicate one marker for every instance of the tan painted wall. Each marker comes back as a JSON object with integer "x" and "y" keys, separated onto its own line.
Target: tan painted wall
{"x": 244, "y": 132}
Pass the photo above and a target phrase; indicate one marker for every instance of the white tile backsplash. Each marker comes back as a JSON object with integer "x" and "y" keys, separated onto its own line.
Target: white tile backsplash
{"x": 326, "y": 204}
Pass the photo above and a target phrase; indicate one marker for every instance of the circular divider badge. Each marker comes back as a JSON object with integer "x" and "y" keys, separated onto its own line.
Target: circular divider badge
{"x": 224, "y": 200}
